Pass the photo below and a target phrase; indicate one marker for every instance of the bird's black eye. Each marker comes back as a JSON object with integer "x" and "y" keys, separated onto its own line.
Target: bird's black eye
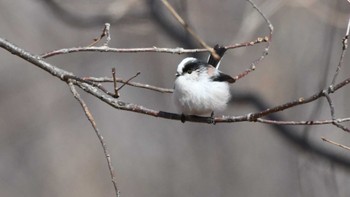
{"x": 192, "y": 66}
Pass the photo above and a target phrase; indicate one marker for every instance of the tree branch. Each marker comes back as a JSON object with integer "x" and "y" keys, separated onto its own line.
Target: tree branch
{"x": 335, "y": 143}
{"x": 121, "y": 105}
{"x": 99, "y": 135}
{"x": 178, "y": 50}
{"x": 189, "y": 30}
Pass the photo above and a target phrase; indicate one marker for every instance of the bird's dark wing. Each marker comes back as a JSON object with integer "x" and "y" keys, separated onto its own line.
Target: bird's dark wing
{"x": 223, "y": 77}
{"x": 220, "y": 50}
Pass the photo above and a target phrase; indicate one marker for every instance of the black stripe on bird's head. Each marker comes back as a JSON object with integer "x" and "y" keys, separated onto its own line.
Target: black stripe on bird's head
{"x": 188, "y": 65}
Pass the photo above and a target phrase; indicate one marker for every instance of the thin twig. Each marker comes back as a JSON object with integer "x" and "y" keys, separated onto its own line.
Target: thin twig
{"x": 134, "y": 84}
{"x": 342, "y": 127}
{"x": 246, "y": 44}
{"x": 331, "y": 86}
{"x": 122, "y": 50}
{"x": 305, "y": 122}
{"x": 178, "y": 50}
{"x": 331, "y": 107}
{"x": 330, "y": 103}
{"x": 127, "y": 81}
{"x": 93, "y": 83}
{"x": 265, "y": 39}
{"x": 341, "y": 60}
{"x": 335, "y": 143}
{"x": 105, "y": 32}
{"x": 116, "y": 94}
{"x": 189, "y": 30}
{"x": 99, "y": 135}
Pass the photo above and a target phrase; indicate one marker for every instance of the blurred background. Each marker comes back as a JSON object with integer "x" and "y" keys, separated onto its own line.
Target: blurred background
{"x": 48, "y": 148}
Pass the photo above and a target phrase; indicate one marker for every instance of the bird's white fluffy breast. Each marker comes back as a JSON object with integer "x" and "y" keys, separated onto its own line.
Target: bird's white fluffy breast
{"x": 200, "y": 97}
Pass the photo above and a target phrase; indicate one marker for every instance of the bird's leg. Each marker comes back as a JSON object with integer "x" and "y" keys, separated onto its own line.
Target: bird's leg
{"x": 183, "y": 118}
{"x": 211, "y": 118}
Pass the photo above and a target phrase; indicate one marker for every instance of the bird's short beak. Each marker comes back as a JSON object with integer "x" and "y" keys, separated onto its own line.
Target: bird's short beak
{"x": 177, "y": 74}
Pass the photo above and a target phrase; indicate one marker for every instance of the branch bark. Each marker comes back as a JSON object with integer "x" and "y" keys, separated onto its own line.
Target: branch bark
{"x": 121, "y": 105}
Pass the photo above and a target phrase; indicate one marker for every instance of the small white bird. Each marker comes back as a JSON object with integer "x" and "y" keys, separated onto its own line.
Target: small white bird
{"x": 200, "y": 88}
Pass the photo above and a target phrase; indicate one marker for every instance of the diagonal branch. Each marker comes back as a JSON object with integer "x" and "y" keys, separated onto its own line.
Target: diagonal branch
{"x": 99, "y": 135}
{"x": 266, "y": 39}
{"x": 331, "y": 107}
{"x": 335, "y": 143}
{"x": 331, "y": 86}
{"x": 341, "y": 60}
{"x": 189, "y": 30}
{"x": 127, "y": 81}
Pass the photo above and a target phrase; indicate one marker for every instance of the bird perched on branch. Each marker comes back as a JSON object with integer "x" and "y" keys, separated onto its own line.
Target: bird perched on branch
{"x": 200, "y": 88}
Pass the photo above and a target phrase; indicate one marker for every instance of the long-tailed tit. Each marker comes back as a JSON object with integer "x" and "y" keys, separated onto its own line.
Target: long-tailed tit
{"x": 200, "y": 88}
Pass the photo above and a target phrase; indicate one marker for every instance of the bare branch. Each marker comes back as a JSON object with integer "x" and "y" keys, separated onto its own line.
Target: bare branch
{"x": 107, "y": 98}
{"x": 282, "y": 107}
{"x": 189, "y": 30}
{"x": 99, "y": 135}
{"x": 36, "y": 60}
{"x": 98, "y": 85}
{"x": 330, "y": 103}
{"x": 307, "y": 122}
{"x": 246, "y": 44}
{"x": 122, "y": 50}
{"x": 127, "y": 81}
{"x": 331, "y": 87}
{"x": 265, "y": 39}
{"x": 342, "y": 127}
{"x": 116, "y": 94}
{"x": 341, "y": 60}
{"x": 105, "y": 32}
{"x": 222, "y": 119}
{"x": 331, "y": 106}
{"x": 134, "y": 84}
{"x": 142, "y": 50}
{"x": 335, "y": 143}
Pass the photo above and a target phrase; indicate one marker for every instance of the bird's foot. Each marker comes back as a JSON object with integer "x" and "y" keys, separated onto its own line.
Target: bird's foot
{"x": 183, "y": 118}
{"x": 211, "y": 119}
